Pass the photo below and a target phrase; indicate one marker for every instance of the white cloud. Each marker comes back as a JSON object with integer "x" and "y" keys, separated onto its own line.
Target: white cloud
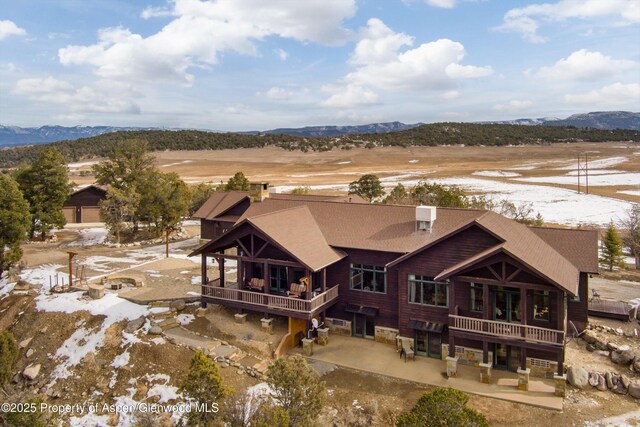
{"x": 276, "y": 93}
{"x": 611, "y": 95}
{"x": 435, "y": 65}
{"x": 447, "y": 4}
{"x": 105, "y": 98}
{"x": 282, "y": 54}
{"x": 585, "y": 65}
{"x": 201, "y": 30}
{"x": 451, "y": 94}
{"x": 349, "y": 96}
{"x": 9, "y": 28}
{"x": 513, "y": 106}
{"x": 526, "y": 20}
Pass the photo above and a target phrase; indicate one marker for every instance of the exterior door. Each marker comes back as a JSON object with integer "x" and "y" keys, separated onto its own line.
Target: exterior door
{"x": 421, "y": 343}
{"x": 363, "y": 326}
{"x": 428, "y": 344}
{"x": 278, "y": 279}
{"x": 506, "y": 306}
{"x": 506, "y": 357}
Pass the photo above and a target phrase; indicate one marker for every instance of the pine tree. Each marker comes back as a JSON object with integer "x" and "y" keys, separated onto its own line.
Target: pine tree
{"x": 14, "y": 222}
{"x": 45, "y": 185}
{"x": 237, "y": 182}
{"x": 205, "y": 386}
{"x": 8, "y": 355}
{"x": 612, "y": 248}
{"x": 164, "y": 200}
{"x": 368, "y": 187}
{"x": 442, "y": 407}
{"x": 117, "y": 208}
{"x": 631, "y": 224}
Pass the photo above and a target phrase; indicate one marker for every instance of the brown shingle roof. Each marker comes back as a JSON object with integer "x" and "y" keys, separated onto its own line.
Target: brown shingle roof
{"x": 352, "y": 198}
{"x": 301, "y": 237}
{"x": 219, "y": 202}
{"x": 575, "y": 245}
{"x": 389, "y": 228}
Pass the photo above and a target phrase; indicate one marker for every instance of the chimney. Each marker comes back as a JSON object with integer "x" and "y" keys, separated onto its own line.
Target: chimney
{"x": 259, "y": 191}
{"x": 425, "y": 217}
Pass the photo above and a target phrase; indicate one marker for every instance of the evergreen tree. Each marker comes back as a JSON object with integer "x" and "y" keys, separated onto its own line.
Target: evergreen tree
{"x": 612, "y": 248}
{"x": 442, "y": 407}
{"x": 205, "y": 386}
{"x": 368, "y": 187}
{"x": 237, "y": 182}
{"x": 14, "y": 222}
{"x": 398, "y": 196}
{"x": 631, "y": 224}
{"x": 434, "y": 194}
{"x": 297, "y": 389}
{"x": 45, "y": 185}
{"x": 8, "y": 356}
{"x": 164, "y": 200}
{"x": 117, "y": 208}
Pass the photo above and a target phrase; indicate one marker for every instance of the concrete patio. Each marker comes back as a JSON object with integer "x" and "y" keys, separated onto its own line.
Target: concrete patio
{"x": 370, "y": 356}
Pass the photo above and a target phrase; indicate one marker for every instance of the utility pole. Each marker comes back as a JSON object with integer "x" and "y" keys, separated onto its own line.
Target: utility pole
{"x": 583, "y": 167}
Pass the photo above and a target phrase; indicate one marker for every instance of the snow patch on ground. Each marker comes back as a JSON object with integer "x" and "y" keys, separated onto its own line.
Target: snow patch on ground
{"x": 5, "y": 287}
{"x": 121, "y": 360}
{"x": 165, "y": 392}
{"x": 45, "y": 275}
{"x": 196, "y": 280}
{"x": 597, "y": 164}
{"x": 344, "y": 163}
{"x": 630, "y": 192}
{"x": 195, "y": 294}
{"x": 499, "y": 174}
{"x": 90, "y": 237}
{"x": 414, "y": 161}
{"x": 185, "y": 319}
{"x": 594, "y": 180}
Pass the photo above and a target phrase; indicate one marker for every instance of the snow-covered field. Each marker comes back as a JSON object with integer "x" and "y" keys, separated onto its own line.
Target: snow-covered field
{"x": 602, "y": 179}
{"x": 630, "y": 192}
{"x": 502, "y": 174}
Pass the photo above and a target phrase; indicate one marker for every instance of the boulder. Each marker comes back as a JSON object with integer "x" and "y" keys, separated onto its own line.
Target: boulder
{"x": 178, "y": 304}
{"x": 155, "y": 330}
{"x": 31, "y": 372}
{"x": 24, "y": 343}
{"x": 578, "y": 377}
{"x": 593, "y": 379}
{"x": 612, "y": 346}
{"x": 134, "y": 325}
{"x": 600, "y": 345}
{"x": 636, "y": 363}
{"x": 619, "y": 332}
{"x": 619, "y": 388}
{"x": 22, "y": 286}
{"x": 625, "y": 381}
{"x": 29, "y": 353}
{"x": 609, "y": 377}
{"x": 634, "y": 389}
{"x": 602, "y": 383}
{"x": 589, "y": 336}
{"x": 591, "y": 348}
{"x": 622, "y": 357}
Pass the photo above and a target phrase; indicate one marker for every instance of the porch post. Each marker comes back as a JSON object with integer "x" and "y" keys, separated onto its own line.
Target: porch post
{"x": 524, "y": 304}
{"x": 560, "y": 361}
{"x": 560, "y": 308}
{"x": 486, "y": 301}
{"x": 523, "y": 358}
{"x": 324, "y": 279}
{"x": 310, "y": 285}
{"x": 221, "y": 266}
{"x": 485, "y": 351}
{"x": 266, "y": 275}
{"x": 203, "y": 269}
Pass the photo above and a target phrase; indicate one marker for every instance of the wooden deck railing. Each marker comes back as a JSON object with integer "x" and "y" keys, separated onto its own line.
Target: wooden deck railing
{"x": 268, "y": 300}
{"x": 508, "y": 330}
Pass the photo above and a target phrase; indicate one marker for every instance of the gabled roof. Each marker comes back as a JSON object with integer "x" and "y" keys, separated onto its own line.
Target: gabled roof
{"x": 219, "y": 202}
{"x": 575, "y": 245}
{"x": 301, "y": 236}
{"x": 351, "y": 198}
{"x": 100, "y": 188}
{"x": 469, "y": 262}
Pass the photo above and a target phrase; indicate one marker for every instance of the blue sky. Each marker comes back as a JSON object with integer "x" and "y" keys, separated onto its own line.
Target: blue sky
{"x": 254, "y": 64}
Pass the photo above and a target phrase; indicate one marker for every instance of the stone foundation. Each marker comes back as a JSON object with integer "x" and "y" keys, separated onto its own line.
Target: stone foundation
{"x": 323, "y": 336}
{"x": 307, "y": 346}
{"x": 240, "y": 318}
{"x": 485, "y": 373}
{"x": 386, "y": 335}
{"x": 523, "y": 379}
{"x": 561, "y": 385}
{"x": 466, "y": 356}
{"x": 542, "y": 368}
{"x": 339, "y": 326}
{"x": 452, "y": 366}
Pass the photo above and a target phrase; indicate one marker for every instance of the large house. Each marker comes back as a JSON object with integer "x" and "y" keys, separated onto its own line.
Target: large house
{"x": 467, "y": 285}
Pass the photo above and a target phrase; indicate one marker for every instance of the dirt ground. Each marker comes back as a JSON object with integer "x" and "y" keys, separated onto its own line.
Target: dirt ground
{"x": 281, "y": 167}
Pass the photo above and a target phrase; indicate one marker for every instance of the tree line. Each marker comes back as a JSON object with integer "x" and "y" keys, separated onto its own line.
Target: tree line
{"x": 425, "y": 135}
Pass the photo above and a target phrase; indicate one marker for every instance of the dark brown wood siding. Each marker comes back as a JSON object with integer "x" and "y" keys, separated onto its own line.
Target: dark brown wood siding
{"x": 387, "y": 304}
{"x": 430, "y": 263}
{"x": 577, "y": 311}
{"x": 90, "y": 196}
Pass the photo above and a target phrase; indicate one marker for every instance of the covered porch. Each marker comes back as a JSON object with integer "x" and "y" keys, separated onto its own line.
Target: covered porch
{"x": 383, "y": 359}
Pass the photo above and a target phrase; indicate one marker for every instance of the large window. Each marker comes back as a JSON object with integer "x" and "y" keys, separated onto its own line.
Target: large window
{"x": 368, "y": 278}
{"x": 541, "y": 306}
{"x": 424, "y": 290}
{"x": 477, "y": 297}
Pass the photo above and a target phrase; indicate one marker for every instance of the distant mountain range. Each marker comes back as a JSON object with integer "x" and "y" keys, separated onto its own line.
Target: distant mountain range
{"x": 15, "y": 136}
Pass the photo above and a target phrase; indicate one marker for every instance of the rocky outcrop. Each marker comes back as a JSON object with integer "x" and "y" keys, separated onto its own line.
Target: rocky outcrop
{"x": 578, "y": 377}
{"x": 134, "y": 325}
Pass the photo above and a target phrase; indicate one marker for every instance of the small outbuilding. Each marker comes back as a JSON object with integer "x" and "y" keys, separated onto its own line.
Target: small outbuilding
{"x": 83, "y": 205}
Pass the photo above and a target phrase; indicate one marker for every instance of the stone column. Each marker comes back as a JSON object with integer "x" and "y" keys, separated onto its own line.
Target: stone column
{"x": 307, "y": 346}
{"x": 323, "y": 336}
{"x": 485, "y": 373}
{"x": 452, "y": 366}
{"x": 523, "y": 379}
{"x": 267, "y": 325}
{"x": 561, "y": 385}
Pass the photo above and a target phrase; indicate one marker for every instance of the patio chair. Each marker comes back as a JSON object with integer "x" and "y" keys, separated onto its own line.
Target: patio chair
{"x": 407, "y": 352}
{"x": 296, "y": 290}
{"x": 256, "y": 284}
{"x": 594, "y": 294}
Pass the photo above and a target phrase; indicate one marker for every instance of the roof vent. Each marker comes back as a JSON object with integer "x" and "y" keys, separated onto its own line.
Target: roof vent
{"x": 425, "y": 217}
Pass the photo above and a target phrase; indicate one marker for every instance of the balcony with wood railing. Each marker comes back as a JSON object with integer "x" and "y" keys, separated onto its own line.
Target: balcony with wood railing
{"x": 513, "y": 331}
{"x": 275, "y": 304}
